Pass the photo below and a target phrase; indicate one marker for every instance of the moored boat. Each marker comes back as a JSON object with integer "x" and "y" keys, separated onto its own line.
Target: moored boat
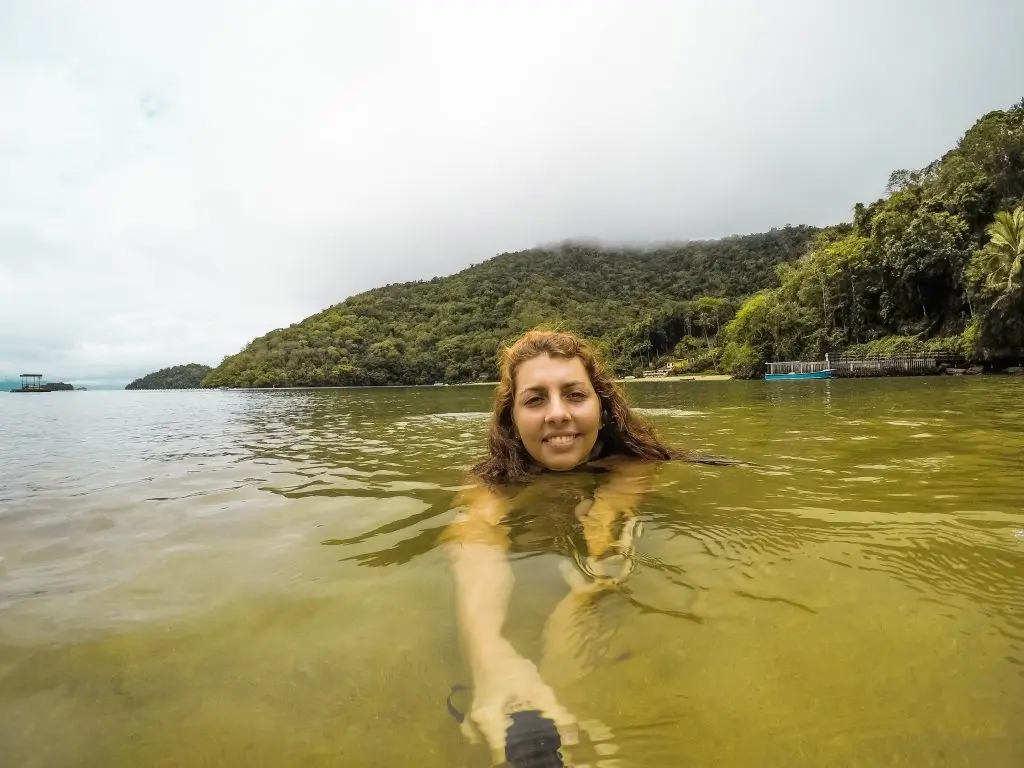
{"x": 799, "y": 369}
{"x": 825, "y": 374}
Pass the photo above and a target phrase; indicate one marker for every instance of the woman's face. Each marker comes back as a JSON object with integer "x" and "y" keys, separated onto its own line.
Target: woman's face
{"x": 556, "y": 411}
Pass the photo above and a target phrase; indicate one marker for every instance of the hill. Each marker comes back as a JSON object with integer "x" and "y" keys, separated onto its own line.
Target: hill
{"x": 177, "y": 377}
{"x": 935, "y": 264}
{"x": 448, "y": 328}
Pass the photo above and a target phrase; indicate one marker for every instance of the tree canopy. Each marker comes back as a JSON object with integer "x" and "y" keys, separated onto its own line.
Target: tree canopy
{"x": 188, "y": 376}
{"x": 637, "y": 304}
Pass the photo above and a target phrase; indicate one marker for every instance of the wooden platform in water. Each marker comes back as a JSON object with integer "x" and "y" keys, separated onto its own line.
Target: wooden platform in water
{"x": 898, "y": 365}
{"x": 843, "y": 367}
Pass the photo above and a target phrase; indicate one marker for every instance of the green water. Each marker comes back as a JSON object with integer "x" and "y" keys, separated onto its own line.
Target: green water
{"x": 252, "y": 578}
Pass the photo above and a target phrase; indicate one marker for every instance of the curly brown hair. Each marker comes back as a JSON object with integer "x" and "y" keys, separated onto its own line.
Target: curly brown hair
{"x": 623, "y": 433}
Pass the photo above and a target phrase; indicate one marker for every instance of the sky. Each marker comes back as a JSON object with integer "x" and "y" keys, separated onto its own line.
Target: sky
{"x": 179, "y": 178}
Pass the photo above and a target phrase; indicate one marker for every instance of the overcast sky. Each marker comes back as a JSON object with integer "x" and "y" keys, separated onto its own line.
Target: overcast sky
{"x": 178, "y": 178}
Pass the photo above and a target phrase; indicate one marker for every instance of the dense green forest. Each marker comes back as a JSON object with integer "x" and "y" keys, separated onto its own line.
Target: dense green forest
{"x": 448, "y": 329}
{"x": 935, "y": 264}
{"x": 176, "y": 377}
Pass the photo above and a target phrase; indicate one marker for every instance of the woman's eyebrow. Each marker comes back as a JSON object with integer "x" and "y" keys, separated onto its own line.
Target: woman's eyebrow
{"x": 536, "y": 388}
{"x": 541, "y": 389}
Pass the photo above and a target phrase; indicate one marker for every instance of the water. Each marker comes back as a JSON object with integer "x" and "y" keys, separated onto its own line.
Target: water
{"x": 253, "y": 578}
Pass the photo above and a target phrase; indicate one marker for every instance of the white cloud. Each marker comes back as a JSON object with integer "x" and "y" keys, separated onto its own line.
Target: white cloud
{"x": 178, "y": 178}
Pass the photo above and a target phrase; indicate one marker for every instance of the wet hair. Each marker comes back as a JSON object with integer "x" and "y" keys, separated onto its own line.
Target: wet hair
{"x": 624, "y": 433}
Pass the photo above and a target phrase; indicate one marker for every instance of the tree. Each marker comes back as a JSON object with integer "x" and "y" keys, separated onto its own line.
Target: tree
{"x": 176, "y": 377}
{"x": 1003, "y": 257}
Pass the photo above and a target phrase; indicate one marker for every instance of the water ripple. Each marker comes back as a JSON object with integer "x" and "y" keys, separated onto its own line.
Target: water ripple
{"x": 856, "y": 590}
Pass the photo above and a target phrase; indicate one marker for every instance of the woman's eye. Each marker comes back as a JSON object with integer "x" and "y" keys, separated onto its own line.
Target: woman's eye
{"x": 577, "y": 395}
{"x": 533, "y": 400}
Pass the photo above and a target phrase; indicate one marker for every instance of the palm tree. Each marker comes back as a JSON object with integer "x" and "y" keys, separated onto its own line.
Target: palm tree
{"x": 1004, "y": 254}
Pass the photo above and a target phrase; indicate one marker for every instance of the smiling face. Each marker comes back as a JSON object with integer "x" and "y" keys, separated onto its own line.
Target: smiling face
{"x": 556, "y": 411}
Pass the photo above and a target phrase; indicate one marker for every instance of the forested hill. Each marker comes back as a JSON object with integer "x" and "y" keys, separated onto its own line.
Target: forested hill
{"x": 935, "y": 265}
{"x": 177, "y": 377}
{"x": 448, "y": 329}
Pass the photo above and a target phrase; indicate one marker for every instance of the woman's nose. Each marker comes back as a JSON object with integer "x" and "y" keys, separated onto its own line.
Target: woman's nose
{"x": 557, "y": 410}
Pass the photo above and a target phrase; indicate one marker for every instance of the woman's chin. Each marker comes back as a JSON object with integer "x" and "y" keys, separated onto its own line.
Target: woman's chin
{"x": 562, "y": 462}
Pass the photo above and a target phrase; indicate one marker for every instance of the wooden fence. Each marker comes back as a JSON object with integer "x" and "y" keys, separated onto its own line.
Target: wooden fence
{"x": 842, "y": 366}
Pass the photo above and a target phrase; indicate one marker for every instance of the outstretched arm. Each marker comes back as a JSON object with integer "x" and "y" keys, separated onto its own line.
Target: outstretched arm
{"x": 478, "y": 545}
{"x": 503, "y": 681}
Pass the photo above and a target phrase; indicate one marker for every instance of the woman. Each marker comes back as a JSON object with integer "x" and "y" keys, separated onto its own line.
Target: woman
{"x": 559, "y": 421}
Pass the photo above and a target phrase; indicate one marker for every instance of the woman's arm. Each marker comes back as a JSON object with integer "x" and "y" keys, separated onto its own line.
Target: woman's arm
{"x": 478, "y": 548}
{"x": 503, "y": 681}
{"x": 575, "y": 635}
{"x": 615, "y": 501}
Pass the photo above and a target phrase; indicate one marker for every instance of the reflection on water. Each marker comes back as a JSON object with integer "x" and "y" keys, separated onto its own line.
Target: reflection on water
{"x": 227, "y": 578}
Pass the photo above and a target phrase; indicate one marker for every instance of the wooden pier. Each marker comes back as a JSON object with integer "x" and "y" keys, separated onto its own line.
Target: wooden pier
{"x": 897, "y": 365}
{"x": 33, "y": 382}
{"x": 844, "y": 367}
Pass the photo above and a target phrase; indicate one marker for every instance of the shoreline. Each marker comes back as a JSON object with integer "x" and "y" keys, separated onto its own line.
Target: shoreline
{"x": 682, "y": 377}
{"x": 650, "y": 379}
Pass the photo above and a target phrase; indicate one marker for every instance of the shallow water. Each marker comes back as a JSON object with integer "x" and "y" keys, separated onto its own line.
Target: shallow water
{"x": 253, "y": 578}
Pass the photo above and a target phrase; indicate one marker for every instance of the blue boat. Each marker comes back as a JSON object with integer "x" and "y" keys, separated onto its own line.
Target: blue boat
{"x": 797, "y": 370}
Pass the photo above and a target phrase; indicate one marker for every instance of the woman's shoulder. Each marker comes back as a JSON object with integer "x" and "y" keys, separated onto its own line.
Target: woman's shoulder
{"x": 479, "y": 510}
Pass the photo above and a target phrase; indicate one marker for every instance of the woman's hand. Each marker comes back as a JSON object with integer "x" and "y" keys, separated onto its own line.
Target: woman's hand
{"x": 504, "y": 683}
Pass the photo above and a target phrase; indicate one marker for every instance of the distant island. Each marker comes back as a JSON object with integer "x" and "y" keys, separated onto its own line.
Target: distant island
{"x": 188, "y": 376}
{"x": 50, "y": 386}
{"x": 932, "y": 267}
{"x": 33, "y": 382}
